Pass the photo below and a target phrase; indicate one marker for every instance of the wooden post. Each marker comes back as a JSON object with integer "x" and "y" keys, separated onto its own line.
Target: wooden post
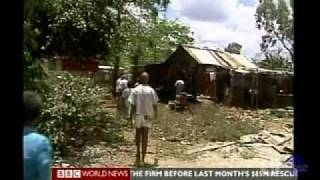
{"x": 231, "y": 87}
{"x": 257, "y": 87}
{"x": 215, "y": 86}
{"x": 252, "y": 89}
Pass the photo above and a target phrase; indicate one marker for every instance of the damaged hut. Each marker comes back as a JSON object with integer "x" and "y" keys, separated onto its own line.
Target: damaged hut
{"x": 219, "y": 75}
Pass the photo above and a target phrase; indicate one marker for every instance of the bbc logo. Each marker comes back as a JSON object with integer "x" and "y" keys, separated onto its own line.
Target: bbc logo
{"x": 68, "y": 174}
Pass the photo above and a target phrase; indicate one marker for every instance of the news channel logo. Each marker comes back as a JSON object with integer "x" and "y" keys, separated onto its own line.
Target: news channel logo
{"x": 69, "y": 173}
{"x": 297, "y": 162}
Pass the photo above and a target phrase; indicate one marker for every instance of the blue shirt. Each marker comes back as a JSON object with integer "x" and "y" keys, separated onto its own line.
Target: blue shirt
{"x": 36, "y": 156}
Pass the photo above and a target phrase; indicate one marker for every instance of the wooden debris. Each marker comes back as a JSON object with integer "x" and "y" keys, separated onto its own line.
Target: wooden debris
{"x": 210, "y": 148}
{"x": 289, "y": 146}
{"x": 288, "y": 149}
{"x": 283, "y": 149}
{"x": 278, "y": 134}
{"x": 276, "y": 140}
{"x": 286, "y": 140}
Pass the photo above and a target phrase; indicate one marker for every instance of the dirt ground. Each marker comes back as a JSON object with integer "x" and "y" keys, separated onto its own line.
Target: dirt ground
{"x": 178, "y": 133}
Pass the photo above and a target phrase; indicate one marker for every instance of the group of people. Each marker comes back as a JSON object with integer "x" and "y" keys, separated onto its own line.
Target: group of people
{"x": 124, "y": 87}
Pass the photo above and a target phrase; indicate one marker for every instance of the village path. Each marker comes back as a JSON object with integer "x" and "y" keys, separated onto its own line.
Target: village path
{"x": 173, "y": 154}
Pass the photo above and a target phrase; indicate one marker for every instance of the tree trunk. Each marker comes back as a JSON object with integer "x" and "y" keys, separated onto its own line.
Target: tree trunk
{"x": 115, "y": 73}
{"x": 285, "y": 46}
{"x": 117, "y": 50}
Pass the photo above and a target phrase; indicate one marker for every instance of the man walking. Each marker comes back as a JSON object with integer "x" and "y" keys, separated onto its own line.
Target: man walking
{"x": 122, "y": 84}
{"x": 144, "y": 101}
{"x": 127, "y": 107}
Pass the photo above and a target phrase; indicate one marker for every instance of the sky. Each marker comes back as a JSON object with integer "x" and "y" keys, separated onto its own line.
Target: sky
{"x": 216, "y": 23}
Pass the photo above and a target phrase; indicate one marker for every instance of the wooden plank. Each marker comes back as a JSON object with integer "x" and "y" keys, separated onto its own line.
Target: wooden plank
{"x": 210, "y": 148}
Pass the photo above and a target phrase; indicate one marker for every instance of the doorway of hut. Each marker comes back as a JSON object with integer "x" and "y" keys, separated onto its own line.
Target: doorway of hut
{"x": 223, "y": 87}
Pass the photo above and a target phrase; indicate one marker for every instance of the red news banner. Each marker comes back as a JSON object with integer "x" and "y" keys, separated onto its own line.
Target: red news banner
{"x": 91, "y": 173}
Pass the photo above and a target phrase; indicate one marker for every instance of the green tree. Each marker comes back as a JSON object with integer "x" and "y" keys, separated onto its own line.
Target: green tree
{"x": 158, "y": 40}
{"x": 234, "y": 48}
{"x": 163, "y": 37}
{"x": 123, "y": 8}
{"x": 82, "y": 29}
{"x": 124, "y": 32}
{"x": 277, "y": 21}
{"x": 275, "y": 60}
{"x": 34, "y": 73}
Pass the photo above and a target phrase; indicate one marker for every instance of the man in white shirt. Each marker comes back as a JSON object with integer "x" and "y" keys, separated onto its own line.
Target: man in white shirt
{"x": 125, "y": 98}
{"x": 144, "y": 102}
{"x": 122, "y": 84}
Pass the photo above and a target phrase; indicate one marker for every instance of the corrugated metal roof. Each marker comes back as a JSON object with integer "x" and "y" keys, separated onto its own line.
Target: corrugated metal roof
{"x": 203, "y": 56}
{"x": 222, "y": 59}
{"x": 262, "y": 70}
{"x": 274, "y": 71}
{"x": 241, "y": 61}
{"x": 228, "y": 59}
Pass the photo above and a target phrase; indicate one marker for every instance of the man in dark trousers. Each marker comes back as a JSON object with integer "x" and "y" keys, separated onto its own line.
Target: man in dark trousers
{"x": 144, "y": 102}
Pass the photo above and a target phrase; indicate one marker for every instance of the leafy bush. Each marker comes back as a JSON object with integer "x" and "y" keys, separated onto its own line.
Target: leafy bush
{"x": 71, "y": 113}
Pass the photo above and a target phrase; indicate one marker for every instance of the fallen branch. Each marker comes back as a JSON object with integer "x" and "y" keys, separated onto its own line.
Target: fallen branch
{"x": 211, "y": 148}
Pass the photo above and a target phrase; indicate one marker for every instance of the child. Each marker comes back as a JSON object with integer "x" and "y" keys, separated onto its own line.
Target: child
{"x": 36, "y": 147}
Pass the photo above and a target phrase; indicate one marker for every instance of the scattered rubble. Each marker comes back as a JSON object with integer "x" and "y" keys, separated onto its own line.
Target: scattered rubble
{"x": 281, "y": 142}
